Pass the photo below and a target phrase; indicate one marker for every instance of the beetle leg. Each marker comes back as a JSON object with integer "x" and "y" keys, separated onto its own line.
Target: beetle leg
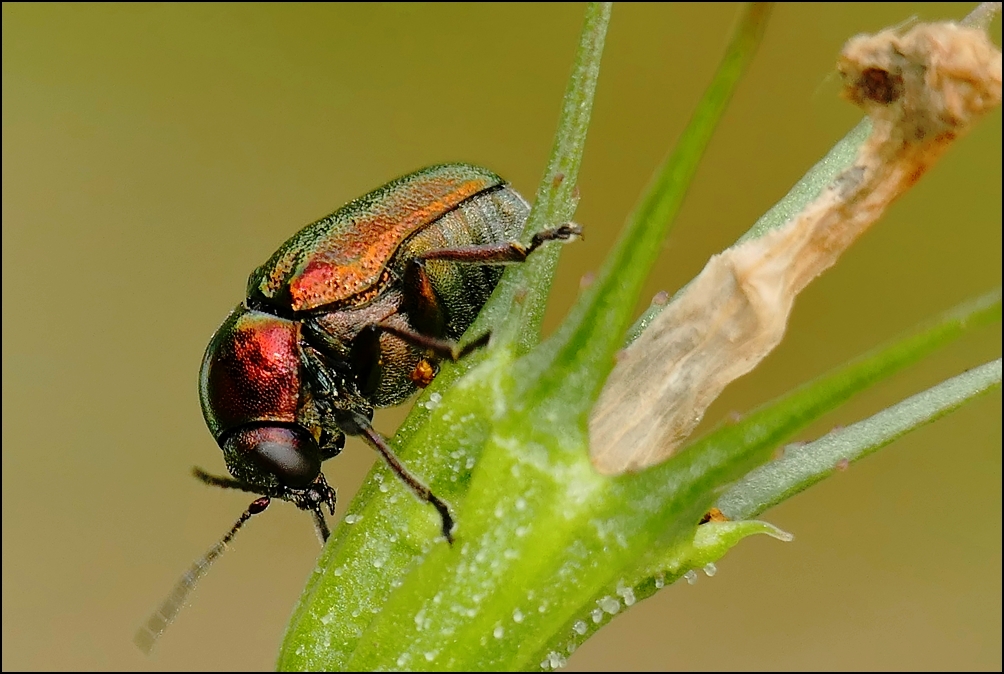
{"x": 356, "y": 424}
{"x": 443, "y": 348}
{"x": 331, "y": 444}
{"x": 420, "y": 302}
{"x": 316, "y": 367}
{"x": 223, "y": 482}
{"x": 506, "y": 251}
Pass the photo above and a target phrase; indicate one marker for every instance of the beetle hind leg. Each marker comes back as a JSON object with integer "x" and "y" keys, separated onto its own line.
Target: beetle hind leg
{"x": 505, "y": 251}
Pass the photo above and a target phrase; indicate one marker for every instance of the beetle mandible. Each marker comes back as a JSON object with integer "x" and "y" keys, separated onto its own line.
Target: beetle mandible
{"x": 353, "y": 312}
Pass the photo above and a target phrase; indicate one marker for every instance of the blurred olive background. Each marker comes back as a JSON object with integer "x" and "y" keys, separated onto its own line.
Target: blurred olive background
{"x": 153, "y": 155}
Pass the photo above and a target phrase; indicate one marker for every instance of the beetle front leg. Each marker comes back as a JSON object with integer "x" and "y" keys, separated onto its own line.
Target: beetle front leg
{"x": 356, "y": 424}
{"x": 506, "y": 251}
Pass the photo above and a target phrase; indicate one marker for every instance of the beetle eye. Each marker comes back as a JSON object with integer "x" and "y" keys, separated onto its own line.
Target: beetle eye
{"x": 291, "y": 454}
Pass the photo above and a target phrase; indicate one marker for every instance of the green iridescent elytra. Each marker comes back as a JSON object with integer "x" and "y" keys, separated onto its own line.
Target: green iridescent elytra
{"x": 342, "y": 258}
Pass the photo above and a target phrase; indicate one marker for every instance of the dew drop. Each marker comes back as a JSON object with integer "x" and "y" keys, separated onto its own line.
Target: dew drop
{"x": 517, "y": 616}
{"x": 339, "y": 571}
{"x": 691, "y": 577}
{"x": 545, "y": 664}
{"x": 610, "y": 605}
{"x": 499, "y": 512}
{"x": 710, "y": 569}
{"x": 469, "y": 463}
{"x": 352, "y": 518}
{"x": 556, "y": 660}
{"x": 327, "y": 618}
{"x": 498, "y": 632}
{"x": 628, "y": 595}
{"x": 402, "y": 659}
{"x": 521, "y": 531}
{"x": 521, "y": 504}
{"x": 571, "y": 647}
{"x": 377, "y": 563}
{"x": 580, "y": 627}
{"x": 430, "y": 656}
{"x": 660, "y": 581}
{"x": 597, "y": 615}
{"x": 433, "y": 401}
{"x": 384, "y": 487}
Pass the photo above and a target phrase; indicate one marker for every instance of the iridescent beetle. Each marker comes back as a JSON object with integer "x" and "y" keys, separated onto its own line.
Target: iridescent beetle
{"x": 351, "y": 313}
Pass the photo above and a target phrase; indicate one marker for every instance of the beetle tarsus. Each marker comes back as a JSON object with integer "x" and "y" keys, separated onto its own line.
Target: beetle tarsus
{"x": 562, "y": 233}
{"x": 444, "y": 513}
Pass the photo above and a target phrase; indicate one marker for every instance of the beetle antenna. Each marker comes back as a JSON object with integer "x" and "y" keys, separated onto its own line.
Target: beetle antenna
{"x": 146, "y": 637}
{"x": 222, "y": 482}
{"x": 413, "y": 482}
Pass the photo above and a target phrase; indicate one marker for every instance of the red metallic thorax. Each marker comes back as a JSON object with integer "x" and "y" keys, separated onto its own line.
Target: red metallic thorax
{"x": 251, "y": 372}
